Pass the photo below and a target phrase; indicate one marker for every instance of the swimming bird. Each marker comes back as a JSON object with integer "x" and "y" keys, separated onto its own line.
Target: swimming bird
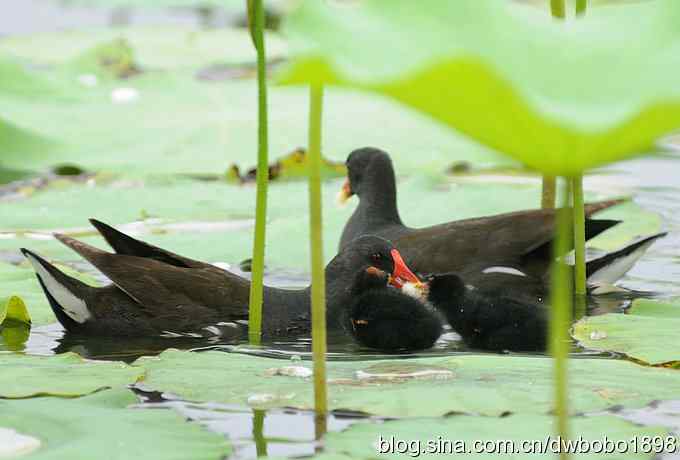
{"x": 385, "y": 318}
{"x": 154, "y": 291}
{"x": 516, "y": 245}
{"x": 489, "y": 320}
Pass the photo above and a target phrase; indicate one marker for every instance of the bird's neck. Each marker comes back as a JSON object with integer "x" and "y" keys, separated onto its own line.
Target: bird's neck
{"x": 378, "y": 205}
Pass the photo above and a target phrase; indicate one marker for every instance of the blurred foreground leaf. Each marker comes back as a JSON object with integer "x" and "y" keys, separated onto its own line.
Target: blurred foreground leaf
{"x": 560, "y": 98}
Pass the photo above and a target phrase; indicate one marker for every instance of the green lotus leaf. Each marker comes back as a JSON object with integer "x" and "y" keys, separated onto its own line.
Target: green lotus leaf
{"x": 153, "y": 48}
{"x": 416, "y": 387}
{"x": 65, "y": 375}
{"x": 15, "y": 323}
{"x": 231, "y": 6}
{"x": 561, "y": 98}
{"x": 23, "y": 283}
{"x": 446, "y": 436}
{"x": 199, "y": 139}
{"x": 103, "y": 425}
{"x": 13, "y": 308}
{"x": 648, "y": 332}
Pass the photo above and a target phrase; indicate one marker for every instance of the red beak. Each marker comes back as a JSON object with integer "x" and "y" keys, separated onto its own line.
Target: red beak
{"x": 401, "y": 274}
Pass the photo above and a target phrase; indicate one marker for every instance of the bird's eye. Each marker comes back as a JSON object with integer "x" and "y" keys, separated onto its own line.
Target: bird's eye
{"x": 376, "y": 256}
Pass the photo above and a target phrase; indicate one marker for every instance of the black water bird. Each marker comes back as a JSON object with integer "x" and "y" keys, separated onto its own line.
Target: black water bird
{"x": 156, "y": 292}
{"x": 516, "y": 243}
{"x": 385, "y": 318}
{"x": 489, "y": 320}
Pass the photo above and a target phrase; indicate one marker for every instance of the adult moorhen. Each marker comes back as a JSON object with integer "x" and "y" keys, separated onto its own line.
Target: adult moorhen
{"x": 516, "y": 243}
{"x": 388, "y": 319}
{"x": 154, "y": 291}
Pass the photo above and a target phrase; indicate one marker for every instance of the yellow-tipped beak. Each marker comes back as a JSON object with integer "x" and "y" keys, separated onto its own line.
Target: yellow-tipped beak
{"x": 345, "y": 193}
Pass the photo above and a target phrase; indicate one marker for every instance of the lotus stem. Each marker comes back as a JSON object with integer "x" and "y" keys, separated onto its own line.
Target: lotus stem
{"x": 581, "y": 6}
{"x": 579, "y": 236}
{"x": 258, "y": 432}
{"x": 558, "y": 9}
{"x": 256, "y": 285}
{"x": 548, "y": 192}
{"x": 561, "y": 317}
{"x": 316, "y": 243}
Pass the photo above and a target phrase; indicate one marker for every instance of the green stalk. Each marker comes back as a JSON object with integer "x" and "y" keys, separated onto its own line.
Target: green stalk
{"x": 548, "y": 192}
{"x": 256, "y": 11}
{"x": 316, "y": 243}
{"x": 258, "y": 432}
{"x": 558, "y": 9}
{"x": 579, "y": 236}
{"x": 581, "y": 6}
{"x": 561, "y": 317}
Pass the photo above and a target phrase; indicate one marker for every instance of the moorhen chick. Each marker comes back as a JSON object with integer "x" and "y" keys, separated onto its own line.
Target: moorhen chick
{"x": 516, "y": 243}
{"x": 385, "y": 318}
{"x": 156, "y": 292}
{"x": 489, "y": 320}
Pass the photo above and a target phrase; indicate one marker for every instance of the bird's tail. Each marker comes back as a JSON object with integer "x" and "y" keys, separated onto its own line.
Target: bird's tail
{"x": 67, "y": 295}
{"x": 604, "y": 271}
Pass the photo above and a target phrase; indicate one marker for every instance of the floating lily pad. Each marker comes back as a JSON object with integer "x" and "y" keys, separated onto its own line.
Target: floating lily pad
{"x": 154, "y": 48}
{"x": 103, "y": 425}
{"x": 559, "y": 98}
{"x": 416, "y": 387}
{"x": 205, "y": 136}
{"x": 19, "y": 82}
{"x": 521, "y": 436}
{"x": 648, "y": 332}
{"x": 65, "y": 375}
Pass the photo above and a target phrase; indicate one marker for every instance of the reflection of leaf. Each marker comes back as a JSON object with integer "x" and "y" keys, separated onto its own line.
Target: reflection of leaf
{"x": 103, "y": 426}
{"x": 65, "y": 375}
{"x": 14, "y": 308}
{"x": 559, "y": 99}
{"x": 14, "y": 334}
{"x": 648, "y": 332}
{"x": 436, "y": 387}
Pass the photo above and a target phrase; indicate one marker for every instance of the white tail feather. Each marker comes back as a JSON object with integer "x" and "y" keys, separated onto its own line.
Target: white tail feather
{"x": 72, "y": 305}
{"x": 604, "y": 278}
